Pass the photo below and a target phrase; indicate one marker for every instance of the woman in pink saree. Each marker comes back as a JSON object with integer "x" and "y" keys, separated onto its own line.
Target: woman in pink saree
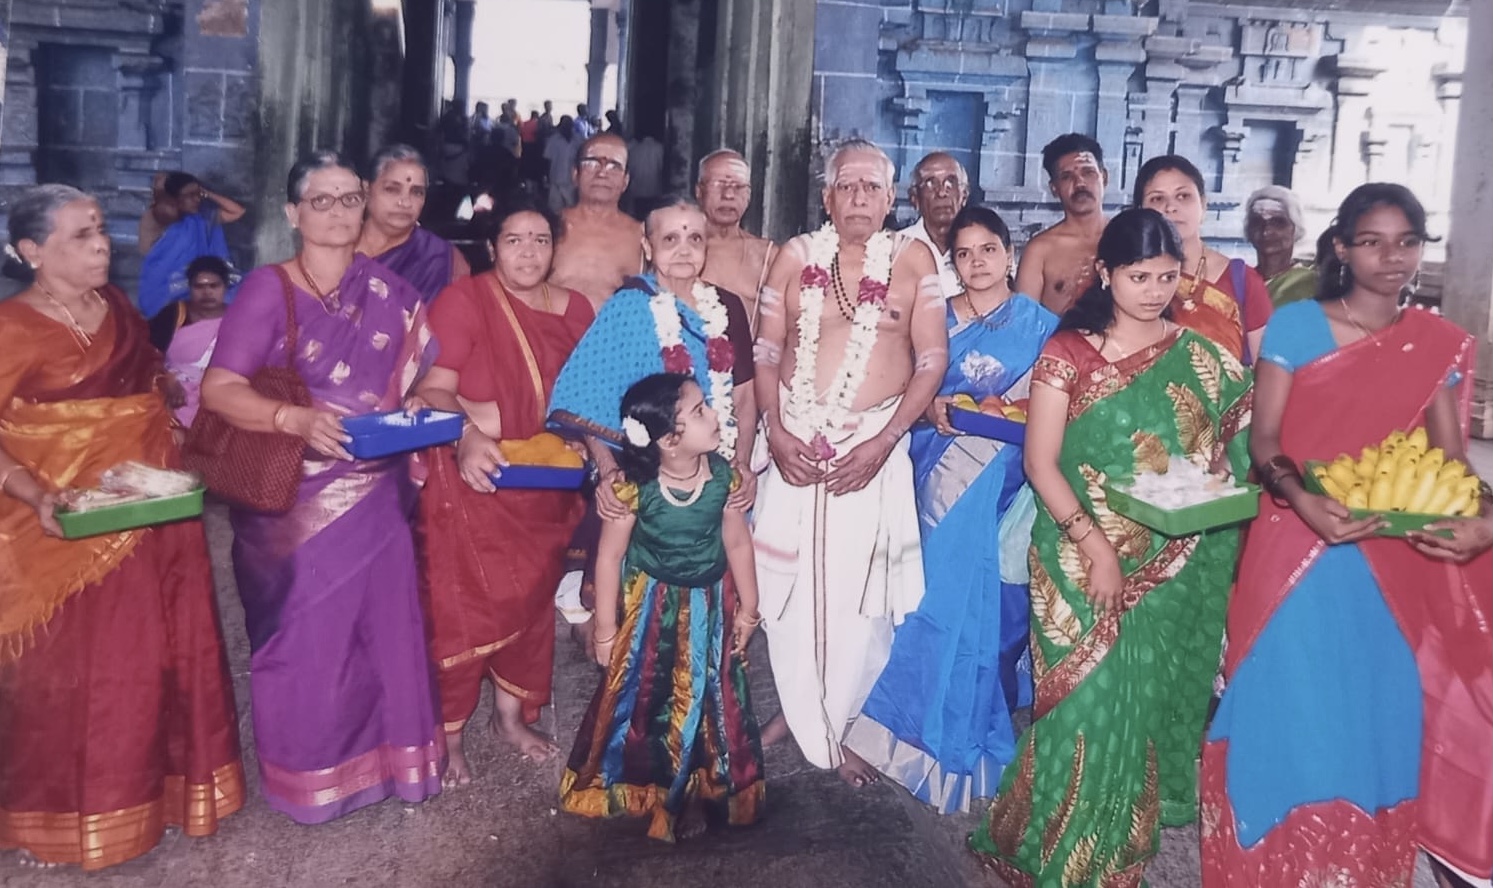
{"x": 343, "y": 696}
{"x": 194, "y": 331}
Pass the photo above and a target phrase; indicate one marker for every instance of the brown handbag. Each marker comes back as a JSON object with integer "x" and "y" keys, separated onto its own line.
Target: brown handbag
{"x": 256, "y": 470}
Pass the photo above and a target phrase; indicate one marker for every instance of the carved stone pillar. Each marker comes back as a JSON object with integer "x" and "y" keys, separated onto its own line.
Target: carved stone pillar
{"x": 1051, "y": 47}
{"x": 1118, "y": 55}
{"x": 1355, "y": 77}
{"x": 461, "y": 53}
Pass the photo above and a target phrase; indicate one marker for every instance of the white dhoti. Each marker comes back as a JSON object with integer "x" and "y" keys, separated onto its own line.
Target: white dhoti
{"x": 835, "y": 574}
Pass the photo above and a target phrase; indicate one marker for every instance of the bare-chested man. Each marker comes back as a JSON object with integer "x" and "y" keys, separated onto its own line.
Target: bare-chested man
{"x": 736, "y": 260}
{"x": 939, "y": 190}
{"x": 600, "y": 244}
{"x": 838, "y": 554}
{"x": 1058, "y": 264}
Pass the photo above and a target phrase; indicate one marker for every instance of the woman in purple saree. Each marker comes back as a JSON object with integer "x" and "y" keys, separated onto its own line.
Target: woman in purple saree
{"x": 343, "y": 697}
{"x": 392, "y": 232}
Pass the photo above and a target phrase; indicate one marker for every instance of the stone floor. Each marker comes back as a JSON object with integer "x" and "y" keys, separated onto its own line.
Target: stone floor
{"x": 504, "y": 830}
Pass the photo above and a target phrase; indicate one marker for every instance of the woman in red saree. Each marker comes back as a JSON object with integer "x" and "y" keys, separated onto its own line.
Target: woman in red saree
{"x": 116, "y": 711}
{"x": 492, "y": 558}
{"x": 1359, "y": 711}
{"x": 1221, "y": 298}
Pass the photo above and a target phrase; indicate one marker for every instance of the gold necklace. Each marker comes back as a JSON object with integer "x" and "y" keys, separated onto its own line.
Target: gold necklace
{"x": 1197, "y": 276}
{"x": 323, "y": 298}
{"x": 1348, "y": 313}
{"x": 83, "y": 337}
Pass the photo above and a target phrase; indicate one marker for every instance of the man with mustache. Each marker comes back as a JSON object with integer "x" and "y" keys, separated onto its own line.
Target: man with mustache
{"x": 939, "y": 190}
{"x": 1058, "y": 264}
{"x": 735, "y": 259}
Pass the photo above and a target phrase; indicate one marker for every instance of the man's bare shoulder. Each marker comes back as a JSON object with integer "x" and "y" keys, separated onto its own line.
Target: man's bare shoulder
{"x": 915, "y": 256}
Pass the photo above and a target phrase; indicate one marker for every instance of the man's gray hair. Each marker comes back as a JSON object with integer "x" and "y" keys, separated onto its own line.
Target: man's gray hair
{"x": 719, "y": 154}
{"x": 856, "y": 145}
{"x": 672, "y": 202}
{"x": 1286, "y": 197}
{"x": 963, "y": 173}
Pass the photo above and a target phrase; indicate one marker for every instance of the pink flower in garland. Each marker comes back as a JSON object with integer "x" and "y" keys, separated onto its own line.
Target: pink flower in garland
{"x": 872, "y": 291}
{"x": 814, "y": 276}
{"x": 821, "y": 448}
{"x": 676, "y": 359}
{"x": 721, "y": 356}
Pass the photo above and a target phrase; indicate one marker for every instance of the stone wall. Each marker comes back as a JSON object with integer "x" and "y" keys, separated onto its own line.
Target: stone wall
{"x": 1318, "y": 96}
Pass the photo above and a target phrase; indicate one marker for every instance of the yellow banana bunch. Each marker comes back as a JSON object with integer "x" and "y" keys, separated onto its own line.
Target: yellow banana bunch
{"x": 1402, "y": 474}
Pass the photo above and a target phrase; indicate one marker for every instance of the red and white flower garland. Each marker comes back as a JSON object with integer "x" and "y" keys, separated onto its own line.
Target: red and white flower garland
{"x": 669, "y": 328}
{"x": 829, "y": 415}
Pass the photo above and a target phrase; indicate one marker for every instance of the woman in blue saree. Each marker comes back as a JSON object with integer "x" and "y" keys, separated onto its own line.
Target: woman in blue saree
{"x": 938, "y": 720}
{"x": 197, "y": 231}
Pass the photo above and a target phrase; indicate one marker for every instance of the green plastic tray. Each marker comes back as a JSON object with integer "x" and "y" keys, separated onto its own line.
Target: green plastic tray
{"x": 1396, "y": 524}
{"x": 1191, "y": 519}
{"x": 112, "y": 519}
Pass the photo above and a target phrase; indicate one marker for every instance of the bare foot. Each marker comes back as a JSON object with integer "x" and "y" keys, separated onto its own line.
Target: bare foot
{"x": 775, "y": 731}
{"x": 458, "y": 772}
{"x": 509, "y": 726}
{"x": 855, "y": 770}
{"x": 692, "y": 822}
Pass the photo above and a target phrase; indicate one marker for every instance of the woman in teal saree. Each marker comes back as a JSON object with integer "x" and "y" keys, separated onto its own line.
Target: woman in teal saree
{"x": 1127, "y": 624}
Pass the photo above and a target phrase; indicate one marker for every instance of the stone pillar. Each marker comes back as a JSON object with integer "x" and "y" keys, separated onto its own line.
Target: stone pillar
{"x": 1051, "y": 48}
{"x": 596, "y": 60}
{"x": 1118, "y": 55}
{"x": 4, "y": 49}
{"x": 1467, "y": 289}
{"x": 461, "y": 53}
{"x": 1355, "y": 78}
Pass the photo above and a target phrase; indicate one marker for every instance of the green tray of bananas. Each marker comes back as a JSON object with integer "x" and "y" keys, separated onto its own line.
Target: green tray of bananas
{"x": 1402, "y": 480}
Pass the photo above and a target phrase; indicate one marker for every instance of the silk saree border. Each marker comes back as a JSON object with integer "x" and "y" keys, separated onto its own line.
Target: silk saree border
{"x": 97, "y": 841}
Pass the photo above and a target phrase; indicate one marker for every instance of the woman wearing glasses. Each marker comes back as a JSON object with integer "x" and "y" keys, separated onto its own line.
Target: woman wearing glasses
{"x": 1356, "y": 720}
{"x": 344, "y": 709}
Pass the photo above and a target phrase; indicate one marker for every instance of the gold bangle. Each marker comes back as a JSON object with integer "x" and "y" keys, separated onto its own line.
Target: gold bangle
{"x": 1085, "y": 534}
{"x": 749, "y": 622}
{"x": 277, "y": 421}
{"x": 609, "y": 640}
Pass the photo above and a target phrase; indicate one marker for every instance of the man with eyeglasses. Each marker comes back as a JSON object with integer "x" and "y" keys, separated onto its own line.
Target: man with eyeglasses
{"x": 735, "y": 259}
{"x": 600, "y": 244}
{"x": 1058, "y": 264}
{"x": 939, "y": 190}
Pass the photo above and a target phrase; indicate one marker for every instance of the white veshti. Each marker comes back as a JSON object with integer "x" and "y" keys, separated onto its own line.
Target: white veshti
{"x": 829, "y": 414}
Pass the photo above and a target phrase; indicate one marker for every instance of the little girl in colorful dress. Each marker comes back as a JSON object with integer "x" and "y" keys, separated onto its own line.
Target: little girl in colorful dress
{"x": 670, "y": 733}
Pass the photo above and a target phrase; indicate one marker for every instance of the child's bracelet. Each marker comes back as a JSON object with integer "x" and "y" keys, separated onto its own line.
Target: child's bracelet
{"x": 609, "y": 639}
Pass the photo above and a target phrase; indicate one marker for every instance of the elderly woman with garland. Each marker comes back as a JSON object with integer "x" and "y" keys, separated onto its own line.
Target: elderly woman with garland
{"x": 665, "y": 321}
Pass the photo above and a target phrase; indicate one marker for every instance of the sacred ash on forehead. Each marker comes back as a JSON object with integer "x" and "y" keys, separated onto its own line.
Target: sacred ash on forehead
{"x": 1267, "y": 206}
{"x": 1085, "y": 157}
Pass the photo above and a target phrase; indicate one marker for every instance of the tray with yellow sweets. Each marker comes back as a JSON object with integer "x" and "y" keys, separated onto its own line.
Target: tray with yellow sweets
{"x": 1401, "y": 479}
{"x": 543, "y": 462}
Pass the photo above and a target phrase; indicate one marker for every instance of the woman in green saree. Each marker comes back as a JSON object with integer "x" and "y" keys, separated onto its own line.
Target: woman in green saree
{"x": 1127, "y": 624}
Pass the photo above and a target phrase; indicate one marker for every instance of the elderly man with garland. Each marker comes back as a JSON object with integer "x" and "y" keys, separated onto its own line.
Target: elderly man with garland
{"x": 851, "y": 350}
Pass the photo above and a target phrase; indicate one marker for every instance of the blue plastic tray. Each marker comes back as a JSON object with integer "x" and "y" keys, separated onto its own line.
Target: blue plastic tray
{"x": 384, "y": 434}
{"x": 973, "y": 422}
{"x": 540, "y": 478}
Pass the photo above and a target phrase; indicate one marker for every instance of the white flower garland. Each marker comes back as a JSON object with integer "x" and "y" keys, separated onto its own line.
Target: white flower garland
{"x": 668, "y": 326}
{"x": 828, "y": 415}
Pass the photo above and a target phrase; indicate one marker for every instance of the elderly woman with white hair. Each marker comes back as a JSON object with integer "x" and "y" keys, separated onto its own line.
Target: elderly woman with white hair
{"x": 1273, "y": 224}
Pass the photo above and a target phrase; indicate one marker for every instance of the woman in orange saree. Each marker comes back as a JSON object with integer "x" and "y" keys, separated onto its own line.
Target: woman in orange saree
{"x": 492, "y": 558}
{"x": 1359, "y": 710}
{"x": 1221, "y": 298}
{"x": 116, "y": 711}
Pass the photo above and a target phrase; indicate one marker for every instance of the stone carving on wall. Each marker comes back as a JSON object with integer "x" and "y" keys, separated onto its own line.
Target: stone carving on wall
{"x": 1252, "y": 93}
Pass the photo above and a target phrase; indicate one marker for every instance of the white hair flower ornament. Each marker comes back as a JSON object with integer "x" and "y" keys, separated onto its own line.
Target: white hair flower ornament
{"x": 636, "y": 432}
